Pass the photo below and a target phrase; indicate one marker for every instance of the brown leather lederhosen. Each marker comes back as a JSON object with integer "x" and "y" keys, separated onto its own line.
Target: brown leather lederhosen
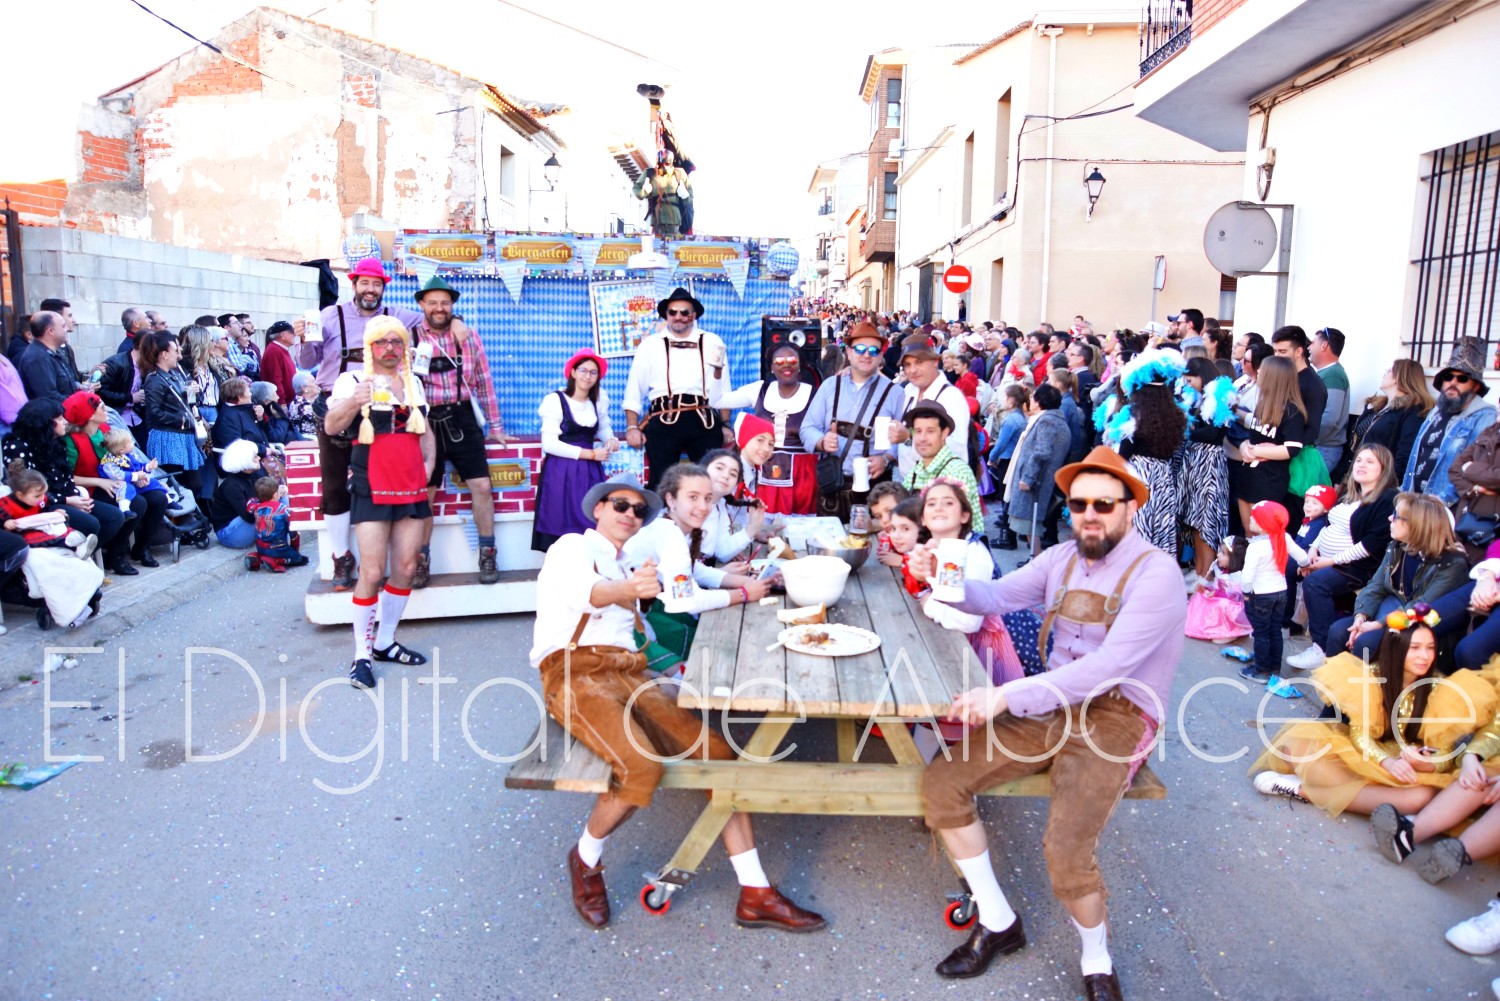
{"x": 1084, "y": 608}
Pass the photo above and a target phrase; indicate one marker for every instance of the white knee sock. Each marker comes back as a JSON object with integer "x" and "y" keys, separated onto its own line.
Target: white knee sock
{"x": 392, "y": 604}
{"x": 364, "y": 626}
{"x": 336, "y": 531}
{"x": 590, "y": 848}
{"x": 747, "y": 869}
{"x": 1095, "y": 949}
{"x": 994, "y": 910}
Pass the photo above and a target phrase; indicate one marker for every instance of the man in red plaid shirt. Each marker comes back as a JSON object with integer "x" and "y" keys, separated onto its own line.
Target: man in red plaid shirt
{"x": 458, "y": 376}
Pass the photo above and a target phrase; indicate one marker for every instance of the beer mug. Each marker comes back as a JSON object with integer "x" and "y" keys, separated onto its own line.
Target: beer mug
{"x": 859, "y": 519}
{"x": 312, "y": 324}
{"x": 381, "y": 397}
{"x": 948, "y": 582}
{"x": 679, "y": 593}
{"x": 861, "y": 476}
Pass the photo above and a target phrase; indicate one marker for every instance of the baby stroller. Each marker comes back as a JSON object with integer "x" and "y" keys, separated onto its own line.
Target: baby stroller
{"x": 184, "y": 522}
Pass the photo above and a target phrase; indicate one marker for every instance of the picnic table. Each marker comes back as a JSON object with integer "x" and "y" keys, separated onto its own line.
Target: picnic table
{"x": 913, "y": 675}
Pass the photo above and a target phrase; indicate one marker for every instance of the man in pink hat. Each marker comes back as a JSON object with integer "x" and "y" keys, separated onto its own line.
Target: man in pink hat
{"x": 336, "y": 348}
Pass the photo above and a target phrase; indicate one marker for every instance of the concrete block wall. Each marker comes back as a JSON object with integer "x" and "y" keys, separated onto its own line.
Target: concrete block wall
{"x": 103, "y": 275}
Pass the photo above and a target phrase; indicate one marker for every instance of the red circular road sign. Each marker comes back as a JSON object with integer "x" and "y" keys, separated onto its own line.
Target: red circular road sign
{"x": 957, "y": 279}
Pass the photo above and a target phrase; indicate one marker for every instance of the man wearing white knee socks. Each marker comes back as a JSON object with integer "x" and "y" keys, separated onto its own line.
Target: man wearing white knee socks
{"x": 1115, "y": 616}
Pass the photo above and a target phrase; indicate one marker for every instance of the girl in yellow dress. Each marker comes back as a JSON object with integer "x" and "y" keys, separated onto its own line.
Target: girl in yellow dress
{"x": 1368, "y": 762}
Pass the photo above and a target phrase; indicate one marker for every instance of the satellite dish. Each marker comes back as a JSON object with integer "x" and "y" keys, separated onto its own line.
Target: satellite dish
{"x": 1239, "y": 238}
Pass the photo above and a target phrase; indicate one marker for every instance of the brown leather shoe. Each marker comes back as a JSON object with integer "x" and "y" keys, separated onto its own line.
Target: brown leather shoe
{"x": 489, "y": 572}
{"x": 765, "y": 907}
{"x": 343, "y": 572}
{"x": 589, "y": 897}
{"x": 1102, "y": 987}
{"x": 422, "y": 575}
{"x": 974, "y": 956}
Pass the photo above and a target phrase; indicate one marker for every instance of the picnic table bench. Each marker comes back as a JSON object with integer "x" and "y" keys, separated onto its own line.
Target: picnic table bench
{"x": 913, "y": 675}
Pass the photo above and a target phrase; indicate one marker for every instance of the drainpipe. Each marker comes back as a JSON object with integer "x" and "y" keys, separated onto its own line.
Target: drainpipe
{"x": 1051, "y": 31}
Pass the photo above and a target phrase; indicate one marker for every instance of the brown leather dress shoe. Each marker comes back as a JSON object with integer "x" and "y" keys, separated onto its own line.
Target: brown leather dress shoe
{"x": 589, "y": 897}
{"x": 764, "y": 907}
{"x": 1102, "y": 987}
{"x": 974, "y": 957}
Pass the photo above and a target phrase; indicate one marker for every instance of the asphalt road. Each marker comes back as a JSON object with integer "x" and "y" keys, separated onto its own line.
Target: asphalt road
{"x": 254, "y": 876}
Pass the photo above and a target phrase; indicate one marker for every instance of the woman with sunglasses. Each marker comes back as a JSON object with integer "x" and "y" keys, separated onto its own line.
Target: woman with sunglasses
{"x": 674, "y": 545}
{"x": 787, "y": 483}
{"x": 576, "y": 441}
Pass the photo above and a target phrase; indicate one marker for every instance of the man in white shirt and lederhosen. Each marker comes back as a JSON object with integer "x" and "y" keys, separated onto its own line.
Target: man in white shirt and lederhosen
{"x": 595, "y": 684}
{"x": 676, "y": 380}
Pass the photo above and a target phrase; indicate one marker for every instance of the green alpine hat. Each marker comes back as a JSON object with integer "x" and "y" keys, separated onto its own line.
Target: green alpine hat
{"x": 436, "y": 284}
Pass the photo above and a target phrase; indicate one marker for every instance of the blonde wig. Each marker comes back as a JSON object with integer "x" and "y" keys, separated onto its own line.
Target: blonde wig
{"x": 377, "y": 329}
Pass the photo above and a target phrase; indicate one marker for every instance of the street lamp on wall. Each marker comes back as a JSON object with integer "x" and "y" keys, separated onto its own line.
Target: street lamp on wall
{"x": 551, "y": 171}
{"x": 1093, "y": 183}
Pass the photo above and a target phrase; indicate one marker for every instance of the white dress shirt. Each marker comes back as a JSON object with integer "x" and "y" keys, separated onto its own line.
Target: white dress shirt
{"x": 951, "y": 399}
{"x": 572, "y": 567}
{"x": 665, "y": 543}
{"x": 654, "y": 361}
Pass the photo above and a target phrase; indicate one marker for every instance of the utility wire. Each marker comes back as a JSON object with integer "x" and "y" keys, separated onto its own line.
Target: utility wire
{"x": 585, "y": 34}
{"x": 178, "y": 27}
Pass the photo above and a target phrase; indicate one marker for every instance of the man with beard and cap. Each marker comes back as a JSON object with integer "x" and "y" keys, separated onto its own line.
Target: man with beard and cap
{"x": 840, "y": 420}
{"x": 335, "y": 348}
{"x": 1115, "y": 616}
{"x": 457, "y": 376}
{"x": 595, "y": 684}
{"x": 1460, "y": 415}
{"x": 676, "y": 380}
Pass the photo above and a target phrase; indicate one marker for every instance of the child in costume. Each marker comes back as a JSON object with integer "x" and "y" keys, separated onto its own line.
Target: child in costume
{"x": 276, "y": 545}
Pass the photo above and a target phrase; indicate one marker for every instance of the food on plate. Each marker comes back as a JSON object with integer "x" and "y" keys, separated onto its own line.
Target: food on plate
{"x": 807, "y": 615}
{"x": 815, "y": 637}
{"x": 854, "y": 542}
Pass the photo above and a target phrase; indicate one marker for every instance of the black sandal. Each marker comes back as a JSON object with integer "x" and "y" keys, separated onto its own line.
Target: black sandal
{"x": 398, "y": 654}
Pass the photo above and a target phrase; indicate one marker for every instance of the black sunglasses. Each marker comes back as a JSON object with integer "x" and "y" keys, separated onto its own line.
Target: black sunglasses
{"x": 1102, "y": 505}
{"x": 679, "y": 312}
{"x": 621, "y": 505}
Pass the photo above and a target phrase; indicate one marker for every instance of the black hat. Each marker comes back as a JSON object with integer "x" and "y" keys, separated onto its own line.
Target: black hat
{"x": 1468, "y": 358}
{"x": 929, "y": 409}
{"x": 679, "y": 294}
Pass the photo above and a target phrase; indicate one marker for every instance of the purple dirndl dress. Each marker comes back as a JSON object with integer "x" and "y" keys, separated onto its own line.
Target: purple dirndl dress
{"x": 564, "y": 481}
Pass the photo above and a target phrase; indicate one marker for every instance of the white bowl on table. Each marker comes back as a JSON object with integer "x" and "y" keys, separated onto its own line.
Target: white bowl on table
{"x": 815, "y": 580}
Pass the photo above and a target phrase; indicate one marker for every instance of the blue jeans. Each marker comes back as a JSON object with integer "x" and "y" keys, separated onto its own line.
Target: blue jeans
{"x": 238, "y": 534}
{"x": 1368, "y": 643}
{"x": 1264, "y": 612}
{"x": 1319, "y": 588}
{"x": 1475, "y": 649}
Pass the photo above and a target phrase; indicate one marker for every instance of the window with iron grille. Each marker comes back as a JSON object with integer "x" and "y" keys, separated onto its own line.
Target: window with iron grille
{"x": 1458, "y": 262}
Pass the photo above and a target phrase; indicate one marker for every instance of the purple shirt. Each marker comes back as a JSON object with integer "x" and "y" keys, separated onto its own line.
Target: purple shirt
{"x": 1144, "y": 644}
{"x": 326, "y": 355}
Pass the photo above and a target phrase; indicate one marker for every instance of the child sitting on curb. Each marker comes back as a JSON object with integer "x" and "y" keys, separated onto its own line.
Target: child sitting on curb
{"x": 276, "y": 546}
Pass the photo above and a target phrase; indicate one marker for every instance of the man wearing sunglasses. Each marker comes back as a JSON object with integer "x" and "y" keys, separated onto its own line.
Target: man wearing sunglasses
{"x": 1451, "y": 426}
{"x": 676, "y": 379}
{"x": 840, "y": 420}
{"x": 595, "y": 685}
{"x": 1115, "y": 617}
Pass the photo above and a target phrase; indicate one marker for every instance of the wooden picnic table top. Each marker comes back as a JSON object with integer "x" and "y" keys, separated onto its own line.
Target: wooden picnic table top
{"x": 917, "y": 670}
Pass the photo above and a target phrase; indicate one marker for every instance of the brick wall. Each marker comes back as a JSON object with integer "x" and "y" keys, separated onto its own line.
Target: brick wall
{"x": 880, "y": 233}
{"x": 1207, "y": 13}
{"x": 36, "y": 203}
{"x": 105, "y": 160}
{"x": 361, "y": 89}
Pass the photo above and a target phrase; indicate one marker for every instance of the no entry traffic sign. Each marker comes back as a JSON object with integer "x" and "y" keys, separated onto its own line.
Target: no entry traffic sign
{"x": 957, "y": 279}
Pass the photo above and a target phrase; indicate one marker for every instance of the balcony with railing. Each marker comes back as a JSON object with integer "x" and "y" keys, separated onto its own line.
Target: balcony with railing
{"x": 1166, "y": 28}
{"x": 826, "y": 208}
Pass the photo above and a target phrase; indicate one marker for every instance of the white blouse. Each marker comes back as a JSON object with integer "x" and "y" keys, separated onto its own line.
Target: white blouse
{"x": 721, "y": 541}
{"x": 664, "y": 542}
{"x": 745, "y": 397}
{"x": 584, "y": 412}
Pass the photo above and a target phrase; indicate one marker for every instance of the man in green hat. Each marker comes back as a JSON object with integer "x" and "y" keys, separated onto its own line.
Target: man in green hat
{"x": 458, "y": 378}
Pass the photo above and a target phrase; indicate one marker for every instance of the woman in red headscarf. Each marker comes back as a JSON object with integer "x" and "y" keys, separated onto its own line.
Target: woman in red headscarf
{"x": 84, "y": 443}
{"x": 576, "y": 439}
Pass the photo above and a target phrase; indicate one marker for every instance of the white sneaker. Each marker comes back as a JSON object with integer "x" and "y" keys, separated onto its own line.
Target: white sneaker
{"x": 1480, "y": 935}
{"x": 1308, "y": 660}
{"x": 1270, "y": 783}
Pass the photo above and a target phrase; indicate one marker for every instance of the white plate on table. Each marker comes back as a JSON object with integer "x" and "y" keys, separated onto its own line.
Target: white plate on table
{"x": 829, "y": 639}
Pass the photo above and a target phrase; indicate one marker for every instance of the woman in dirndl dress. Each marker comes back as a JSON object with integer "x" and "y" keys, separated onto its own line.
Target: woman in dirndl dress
{"x": 787, "y": 482}
{"x": 576, "y": 439}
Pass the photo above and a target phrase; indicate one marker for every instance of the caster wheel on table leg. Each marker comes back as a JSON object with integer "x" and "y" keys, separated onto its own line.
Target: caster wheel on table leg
{"x": 655, "y": 900}
{"x": 960, "y": 914}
